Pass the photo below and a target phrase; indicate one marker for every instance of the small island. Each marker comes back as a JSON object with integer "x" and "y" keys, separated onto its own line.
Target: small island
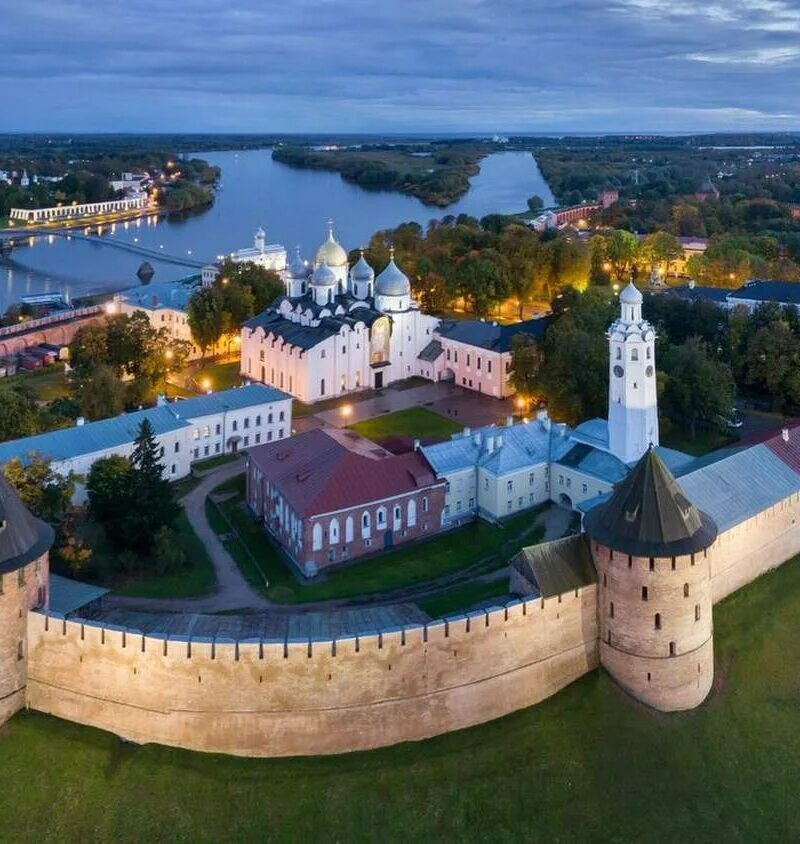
{"x": 437, "y": 173}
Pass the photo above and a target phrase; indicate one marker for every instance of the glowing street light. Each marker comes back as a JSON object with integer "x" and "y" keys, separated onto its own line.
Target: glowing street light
{"x": 206, "y": 385}
{"x": 346, "y": 410}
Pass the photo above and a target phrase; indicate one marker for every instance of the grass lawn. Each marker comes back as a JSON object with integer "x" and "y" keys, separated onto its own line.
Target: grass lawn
{"x": 590, "y": 764}
{"x": 214, "y": 462}
{"x": 704, "y": 442}
{"x": 221, "y": 376}
{"x": 461, "y": 598}
{"x": 415, "y": 422}
{"x": 197, "y": 578}
{"x": 47, "y": 384}
{"x": 418, "y": 563}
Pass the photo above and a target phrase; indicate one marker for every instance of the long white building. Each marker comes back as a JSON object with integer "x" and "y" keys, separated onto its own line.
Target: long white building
{"x": 186, "y": 429}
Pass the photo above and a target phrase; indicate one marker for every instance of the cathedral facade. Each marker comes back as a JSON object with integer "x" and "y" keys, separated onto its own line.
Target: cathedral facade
{"x": 338, "y": 329}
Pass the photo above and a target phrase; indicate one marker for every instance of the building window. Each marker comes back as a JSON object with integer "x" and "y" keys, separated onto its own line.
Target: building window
{"x": 281, "y": 416}
{"x": 322, "y": 386}
{"x": 218, "y": 429}
{"x": 216, "y": 448}
{"x": 657, "y": 621}
{"x": 672, "y": 648}
{"x": 235, "y": 425}
{"x": 205, "y": 451}
{"x": 697, "y": 612}
{"x": 611, "y": 610}
{"x": 316, "y": 537}
{"x": 411, "y": 518}
{"x": 644, "y": 593}
{"x": 269, "y": 418}
{"x": 509, "y": 505}
{"x": 322, "y": 354}
{"x": 471, "y": 503}
{"x": 381, "y": 517}
{"x": 488, "y": 366}
{"x": 333, "y": 532}
{"x": 258, "y": 438}
{"x": 510, "y": 486}
{"x": 634, "y": 354}
{"x": 161, "y": 451}
{"x": 196, "y": 434}
{"x": 530, "y": 479}
{"x": 206, "y": 430}
{"x": 246, "y": 441}
{"x": 585, "y": 489}
{"x": 196, "y": 453}
{"x": 425, "y": 504}
{"x": 258, "y": 420}
{"x": 365, "y": 525}
{"x": 246, "y": 421}
{"x": 619, "y": 353}
{"x": 685, "y": 590}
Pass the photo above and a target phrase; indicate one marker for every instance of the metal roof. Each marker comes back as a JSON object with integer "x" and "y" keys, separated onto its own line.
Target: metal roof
{"x": 499, "y": 450}
{"x": 168, "y": 294}
{"x": 105, "y": 434}
{"x": 67, "y": 595}
{"x": 650, "y": 515}
{"x": 557, "y": 567}
{"x": 491, "y": 335}
{"x": 782, "y": 292}
{"x": 23, "y": 538}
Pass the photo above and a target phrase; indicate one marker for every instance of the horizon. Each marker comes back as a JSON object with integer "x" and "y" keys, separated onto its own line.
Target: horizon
{"x": 675, "y": 66}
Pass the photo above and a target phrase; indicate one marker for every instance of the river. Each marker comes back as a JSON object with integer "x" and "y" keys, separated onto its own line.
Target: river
{"x": 292, "y": 206}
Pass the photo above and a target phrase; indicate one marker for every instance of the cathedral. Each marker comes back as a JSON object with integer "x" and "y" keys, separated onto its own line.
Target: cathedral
{"x": 338, "y": 329}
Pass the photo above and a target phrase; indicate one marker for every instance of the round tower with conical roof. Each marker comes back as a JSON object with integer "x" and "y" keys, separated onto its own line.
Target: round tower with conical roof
{"x": 24, "y": 547}
{"x": 650, "y": 545}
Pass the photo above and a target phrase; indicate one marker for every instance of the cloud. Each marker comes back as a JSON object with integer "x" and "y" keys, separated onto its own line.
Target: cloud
{"x": 470, "y": 65}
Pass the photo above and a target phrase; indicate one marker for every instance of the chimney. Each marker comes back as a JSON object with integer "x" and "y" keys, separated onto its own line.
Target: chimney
{"x": 467, "y": 431}
{"x": 476, "y": 438}
{"x": 489, "y": 445}
{"x": 509, "y": 421}
{"x": 785, "y": 435}
{"x": 498, "y": 441}
{"x": 544, "y": 418}
{"x": 161, "y": 400}
{"x": 80, "y": 421}
{"x": 416, "y": 445}
{"x": 691, "y": 284}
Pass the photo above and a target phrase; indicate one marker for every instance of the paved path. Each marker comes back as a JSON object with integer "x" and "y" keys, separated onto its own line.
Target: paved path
{"x": 232, "y": 590}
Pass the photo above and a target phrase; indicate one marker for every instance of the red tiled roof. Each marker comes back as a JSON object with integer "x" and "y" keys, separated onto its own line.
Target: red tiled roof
{"x": 316, "y": 474}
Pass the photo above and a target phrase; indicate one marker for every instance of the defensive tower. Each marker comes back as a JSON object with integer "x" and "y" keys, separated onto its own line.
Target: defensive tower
{"x": 650, "y": 546}
{"x": 24, "y": 547}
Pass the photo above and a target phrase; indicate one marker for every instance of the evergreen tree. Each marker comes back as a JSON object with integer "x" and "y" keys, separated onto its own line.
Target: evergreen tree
{"x": 152, "y": 503}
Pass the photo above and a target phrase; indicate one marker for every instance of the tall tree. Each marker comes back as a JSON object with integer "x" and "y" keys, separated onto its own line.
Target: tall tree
{"x": 45, "y": 492}
{"x": 206, "y": 317}
{"x": 526, "y": 361}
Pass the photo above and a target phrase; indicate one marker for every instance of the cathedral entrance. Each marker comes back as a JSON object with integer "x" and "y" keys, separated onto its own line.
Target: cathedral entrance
{"x": 378, "y": 380}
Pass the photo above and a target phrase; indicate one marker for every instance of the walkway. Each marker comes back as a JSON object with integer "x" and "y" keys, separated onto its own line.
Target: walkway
{"x": 232, "y": 590}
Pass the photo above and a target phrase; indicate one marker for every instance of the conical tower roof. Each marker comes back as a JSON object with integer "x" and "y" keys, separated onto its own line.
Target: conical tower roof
{"x": 648, "y": 515}
{"x": 23, "y": 538}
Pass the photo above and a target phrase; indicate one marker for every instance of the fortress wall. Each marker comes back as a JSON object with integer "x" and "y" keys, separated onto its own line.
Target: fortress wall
{"x": 752, "y": 548}
{"x": 277, "y": 699}
{"x": 19, "y": 591}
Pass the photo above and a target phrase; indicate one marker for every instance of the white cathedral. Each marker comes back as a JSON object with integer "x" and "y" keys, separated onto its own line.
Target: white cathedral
{"x": 337, "y": 329}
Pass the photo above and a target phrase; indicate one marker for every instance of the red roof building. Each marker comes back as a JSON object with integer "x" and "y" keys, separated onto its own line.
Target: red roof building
{"x": 325, "y": 504}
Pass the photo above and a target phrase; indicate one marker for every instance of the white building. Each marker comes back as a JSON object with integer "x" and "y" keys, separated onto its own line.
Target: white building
{"x": 337, "y": 329}
{"x": 271, "y": 256}
{"x": 495, "y": 472}
{"x": 186, "y": 430}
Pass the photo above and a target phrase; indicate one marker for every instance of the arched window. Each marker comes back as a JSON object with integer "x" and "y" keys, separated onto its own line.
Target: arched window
{"x": 658, "y": 621}
{"x": 316, "y": 537}
{"x": 611, "y": 610}
{"x": 333, "y": 532}
{"x": 380, "y": 518}
{"x": 672, "y": 648}
{"x": 425, "y": 504}
{"x": 411, "y": 519}
{"x": 634, "y": 354}
{"x": 348, "y": 529}
{"x": 697, "y": 612}
{"x": 649, "y": 353}
{"x": 366, "y": 525}
{"x": 397, "y": 517}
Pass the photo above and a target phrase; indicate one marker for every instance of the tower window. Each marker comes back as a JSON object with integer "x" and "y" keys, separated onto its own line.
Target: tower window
{"x": 697, "y": 612}
{"x": 672, "y": 648}
{"x": 685, "y": 590}
{"x": 652, "y": 564}
{"x": 644, "y": 593}
{"x": 611, "y": 610}
{"x": 634, "y": 354}
{"x": 658, "y": 621}
{"x": 619, "y": 353}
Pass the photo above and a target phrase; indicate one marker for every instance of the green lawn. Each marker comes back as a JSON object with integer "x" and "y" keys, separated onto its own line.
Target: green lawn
{"x": 195, "y": 579}
{"x": 461, "y": 598}
{"x": 416, "y": 422}
{"x": 590, "y": 764}
{"x": 417, "y": 563}
{"x": 704, "y": 441}
{"x": 47, "y": 384}
{"x": 221, "y": 376}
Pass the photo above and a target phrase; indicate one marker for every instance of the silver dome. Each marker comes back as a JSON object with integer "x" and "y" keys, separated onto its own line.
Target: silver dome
{"x": 392, "y": 281}
{"x": 299, "y": 268}
{"x": 323, "y": 276}
{"x": 362, "y": 271}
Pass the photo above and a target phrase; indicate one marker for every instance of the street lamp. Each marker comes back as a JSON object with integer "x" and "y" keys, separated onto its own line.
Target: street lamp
{"x": 346, "y": 410}
{"x": 206, "y": 385}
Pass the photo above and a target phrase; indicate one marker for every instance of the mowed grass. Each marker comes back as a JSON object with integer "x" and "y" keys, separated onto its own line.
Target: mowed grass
{"x": 588, "y": 764}
{"x": 460, "y": 598}
{"x": 415, "y": 422}
{"x": 419, "y": 562}
{"x": 220, "y": 376}
{"x": 704, "y": 442}
{"x": 46, "y": 384}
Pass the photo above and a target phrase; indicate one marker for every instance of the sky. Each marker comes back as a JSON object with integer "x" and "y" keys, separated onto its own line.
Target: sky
{"x": 400, "y": 65}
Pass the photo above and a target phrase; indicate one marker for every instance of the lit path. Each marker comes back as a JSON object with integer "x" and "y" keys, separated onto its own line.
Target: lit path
{"x": 232, "y": 590}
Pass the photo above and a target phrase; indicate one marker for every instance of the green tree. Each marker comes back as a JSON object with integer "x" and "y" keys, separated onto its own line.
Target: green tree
{"x": 89, "y": 346}
{"x": 535, "y": 203}
{"x": 698, "y": 388}
{"x": 153, "y": 501}
{"x": 108, "y": 487}
{"x": 98, "y": 392}
{"x": 772, "y": 363}
{"x": 662, "y": 249}
{"x": 205, "y": 317}
{"x": 45, "y": 492}
{"x": 526, "y": 361}
{"x": 17, "y": 414}
{"x": 622, "y": 249}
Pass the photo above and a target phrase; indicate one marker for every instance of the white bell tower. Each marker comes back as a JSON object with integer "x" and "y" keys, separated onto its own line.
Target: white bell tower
{"x": 632, "y": 398}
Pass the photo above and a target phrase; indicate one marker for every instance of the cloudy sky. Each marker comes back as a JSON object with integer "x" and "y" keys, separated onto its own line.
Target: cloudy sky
{"x": 399, "y": 65}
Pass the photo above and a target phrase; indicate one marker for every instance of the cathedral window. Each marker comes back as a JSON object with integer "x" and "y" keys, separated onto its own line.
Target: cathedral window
{"x": 634, "y": 354}
{"x": 644, "y": 593}
{"x": 322, "y": 386}
{"x": 672, "y": 648}
{"x": 619, "y": 353}
{"x": 697, "y": 612}
{"x": 322, "y": 354}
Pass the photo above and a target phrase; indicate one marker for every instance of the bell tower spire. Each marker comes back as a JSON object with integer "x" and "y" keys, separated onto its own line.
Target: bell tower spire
{"x": 632, "y": 399}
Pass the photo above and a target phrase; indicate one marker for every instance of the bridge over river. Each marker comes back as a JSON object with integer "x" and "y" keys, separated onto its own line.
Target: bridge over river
{"x": 10, "y": 239}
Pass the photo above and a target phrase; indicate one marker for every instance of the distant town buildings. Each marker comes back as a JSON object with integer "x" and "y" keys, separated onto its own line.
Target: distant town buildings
{"x": 66, "y": 213}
